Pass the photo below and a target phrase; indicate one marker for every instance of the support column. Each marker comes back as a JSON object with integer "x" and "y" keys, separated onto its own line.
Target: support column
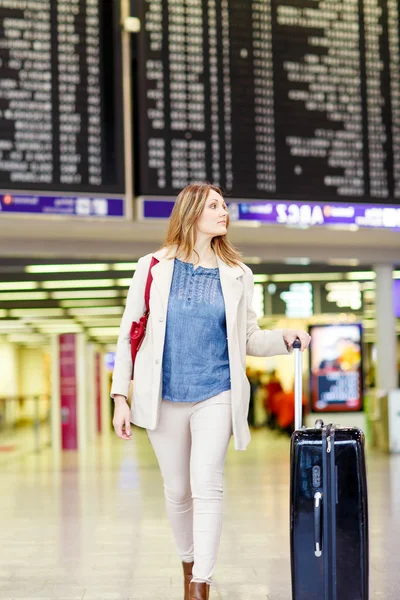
{"x": 55, "y": 397}
{"x": 386, "y": 343}
{"x": 91, "y": 392}
{"x": 106, "y": 411}
{"x": 82, "y": 408}
{"x": 70, "y": 406}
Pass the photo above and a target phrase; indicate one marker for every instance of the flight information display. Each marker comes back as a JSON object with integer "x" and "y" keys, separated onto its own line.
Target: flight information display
{"x": 60, "y": 104}
{"x": 294, "y": 99}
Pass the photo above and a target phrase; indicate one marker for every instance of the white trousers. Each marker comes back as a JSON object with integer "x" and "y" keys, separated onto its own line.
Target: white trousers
{"x": 191, "y": 443}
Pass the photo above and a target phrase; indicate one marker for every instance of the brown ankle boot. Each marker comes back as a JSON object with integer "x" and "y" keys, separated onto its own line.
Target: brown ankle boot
{"x": 187, "y": 577}
{"x": 199, "y": 591}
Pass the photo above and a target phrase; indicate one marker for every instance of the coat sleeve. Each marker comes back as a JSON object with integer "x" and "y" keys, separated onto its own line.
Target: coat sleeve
{"x": 134, "y": 309}
{"x": 260, "y": 342}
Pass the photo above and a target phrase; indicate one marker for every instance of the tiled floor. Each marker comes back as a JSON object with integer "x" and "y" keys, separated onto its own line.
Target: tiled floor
{"x": 96, "y": 529}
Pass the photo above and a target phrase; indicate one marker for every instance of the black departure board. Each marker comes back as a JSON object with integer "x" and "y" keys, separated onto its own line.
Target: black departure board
{"x": 60, "y": 99}
{"x": 296, "y": 99}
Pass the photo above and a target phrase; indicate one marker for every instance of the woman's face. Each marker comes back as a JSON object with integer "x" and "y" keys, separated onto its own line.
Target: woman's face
{"x": 213, "y": 219}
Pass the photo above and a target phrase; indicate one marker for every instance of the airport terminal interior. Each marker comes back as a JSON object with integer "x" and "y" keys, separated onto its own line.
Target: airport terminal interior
{"x": 108, "y": 109}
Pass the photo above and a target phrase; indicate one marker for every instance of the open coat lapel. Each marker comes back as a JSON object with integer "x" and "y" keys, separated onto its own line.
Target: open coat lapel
{"x": 162, "y": 277}
{"x": 232, "y": 290}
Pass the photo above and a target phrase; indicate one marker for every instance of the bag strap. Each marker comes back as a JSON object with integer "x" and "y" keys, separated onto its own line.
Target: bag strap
{"x": 154, "y": 261}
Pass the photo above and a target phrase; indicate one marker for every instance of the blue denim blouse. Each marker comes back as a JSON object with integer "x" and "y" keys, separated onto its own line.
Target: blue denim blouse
{"x": 195, "y": 359}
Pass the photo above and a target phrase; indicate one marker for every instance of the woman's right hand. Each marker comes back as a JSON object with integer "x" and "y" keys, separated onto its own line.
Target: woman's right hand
{"x": 122, "y": 418}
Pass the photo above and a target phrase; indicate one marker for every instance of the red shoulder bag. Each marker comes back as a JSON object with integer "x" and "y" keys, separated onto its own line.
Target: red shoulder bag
{"x": 138, "y": 329}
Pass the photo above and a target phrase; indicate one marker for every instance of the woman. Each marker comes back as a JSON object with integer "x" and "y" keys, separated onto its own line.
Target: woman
{"x": 190, "y": 387}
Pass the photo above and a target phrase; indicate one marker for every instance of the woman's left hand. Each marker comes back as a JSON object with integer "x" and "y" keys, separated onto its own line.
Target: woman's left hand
{"x": 290, "y": 335}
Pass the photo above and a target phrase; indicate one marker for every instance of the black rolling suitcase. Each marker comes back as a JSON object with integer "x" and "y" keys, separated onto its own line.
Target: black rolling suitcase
{"x": 328, "y": 509}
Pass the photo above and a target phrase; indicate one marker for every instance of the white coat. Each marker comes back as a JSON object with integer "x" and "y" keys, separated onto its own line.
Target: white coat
{"x": 243, "y": 333}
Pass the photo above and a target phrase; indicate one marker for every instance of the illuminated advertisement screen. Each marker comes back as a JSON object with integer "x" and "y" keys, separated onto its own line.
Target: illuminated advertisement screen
{"x": 336, "y": 368}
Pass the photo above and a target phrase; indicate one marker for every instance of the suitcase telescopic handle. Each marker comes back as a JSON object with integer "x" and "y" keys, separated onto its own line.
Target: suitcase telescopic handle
{"x": 298, "y": 384}
{"x": 317, "y": 524}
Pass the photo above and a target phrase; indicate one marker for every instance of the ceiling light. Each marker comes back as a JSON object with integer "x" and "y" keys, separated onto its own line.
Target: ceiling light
{"x": 21, "y": 338}
{"x": 243, "y": 224}
{"x": 18, "y": 285}
{"x": 345, "y": 262}
{"x": 24, "y": 296}
{"x": 67, "y": 327}
{"x": 96, "y": 321}
{"x": 17, "y": 330}
{"x": 39, "y": 320}
{"x": 12, "y": 324}
{"x": 369, "y": 285}
{"x": 26, "y": 312}
{"x": 88, "y": 302}
{"x": 84, "y": 294}
{"x": 78, "y": 283}
{"x": 292, "y": 277}
{"x": 344, "y": 285}
{"x": 88, "y": 318}
{"x": 104, "y": 331}
{"x": 361, "y": 275}
{"x": 297, "y": 260}
{"x": 57, "y": 332}
{"x": 396, "y": 274}
{"x": 252, "y": 260}
{"x": 96, "y": 310}
{"x": 78, "y": 268}
{"x": 260, "y": 278}
{"x": 128, "y": 266}
{"x": 124, "y": 282}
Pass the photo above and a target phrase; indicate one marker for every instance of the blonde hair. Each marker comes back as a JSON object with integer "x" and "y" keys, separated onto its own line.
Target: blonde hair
{"x": 182, "y": 232}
